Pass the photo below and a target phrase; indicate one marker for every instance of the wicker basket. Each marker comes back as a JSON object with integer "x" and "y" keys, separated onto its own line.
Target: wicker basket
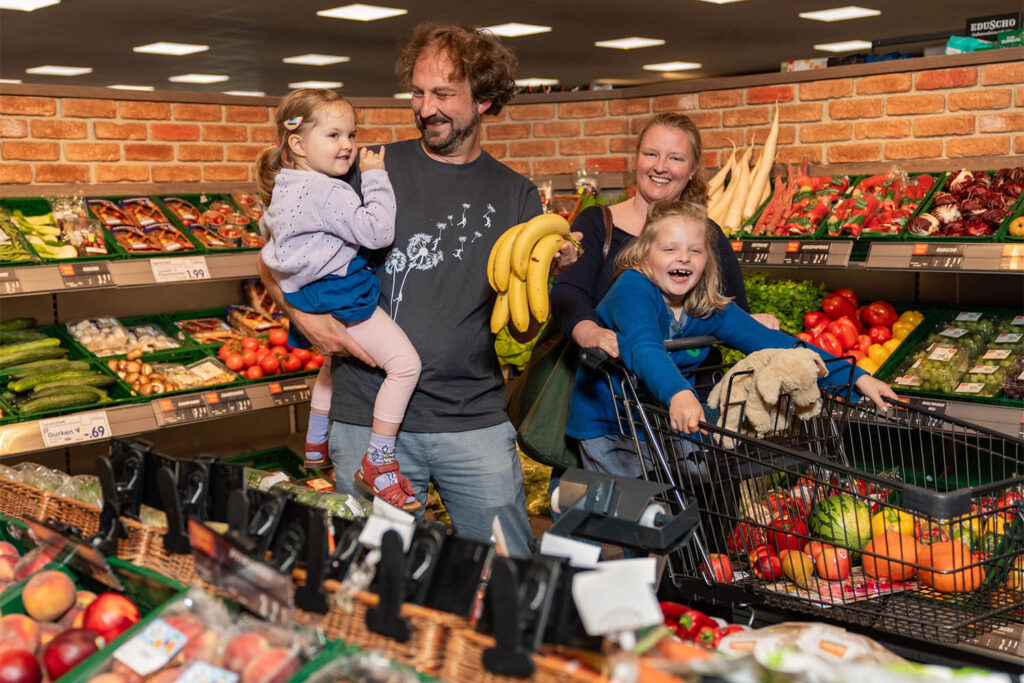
{"x": 134, "y": 548}
{"x": 21, "y": 500}
{"x": 425, "y": 649}
{"x": 463, "y": 662}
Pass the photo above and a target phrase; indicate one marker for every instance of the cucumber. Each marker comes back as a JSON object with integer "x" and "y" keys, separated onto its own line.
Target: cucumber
{"x": 70, "y": 399}
{"x": 8, "y": 350}
{"x": 17, "y": 323}
{"x": 95, "y": 380}
{"x": 31, "y": 355}
{"x": 17, "y": 336}
{"x": 25, "y": 383}
{"x": 55, "y": 388}
{"x": 40, "y": 367}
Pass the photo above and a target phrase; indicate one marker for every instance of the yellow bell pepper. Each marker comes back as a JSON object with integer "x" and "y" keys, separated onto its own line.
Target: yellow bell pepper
{"x": 891, "y": 345}
{"x": 867, "y": 365}
{"x": 901, "y": 328}
{"x": 889, "y": 519}
{"x": 878, "y": 353}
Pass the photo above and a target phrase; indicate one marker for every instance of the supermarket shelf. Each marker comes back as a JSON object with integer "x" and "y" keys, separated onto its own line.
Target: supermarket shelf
{"x": 951, "y": 257}
{"x": 1007, "y": 420}
{"x": 43, "y": 279}
{"x": 22, "y": 438}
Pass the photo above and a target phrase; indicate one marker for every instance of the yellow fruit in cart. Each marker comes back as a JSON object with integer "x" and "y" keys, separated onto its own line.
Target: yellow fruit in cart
{"x": 878, "y": 353}
{"x": 901, "y": 328}
{"x": 867, "y": 365}
{"x": 890, "y": 519}
{"x": 995, "y": 525}
{"x": 891, "y": 345}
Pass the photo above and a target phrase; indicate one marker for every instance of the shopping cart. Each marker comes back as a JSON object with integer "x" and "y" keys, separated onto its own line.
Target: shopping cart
{"x": 819, "y": 486}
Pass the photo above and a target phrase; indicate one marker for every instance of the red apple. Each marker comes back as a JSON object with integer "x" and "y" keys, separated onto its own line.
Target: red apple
{"x": 241, "y": 649}
{"x": 110, "y": 615}
{"x": 67, "y": 650}
{"x": 19, "y": 666}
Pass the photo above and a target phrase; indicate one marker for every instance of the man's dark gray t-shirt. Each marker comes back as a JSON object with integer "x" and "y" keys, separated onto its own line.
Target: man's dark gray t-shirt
{"x": 434, "y": 285}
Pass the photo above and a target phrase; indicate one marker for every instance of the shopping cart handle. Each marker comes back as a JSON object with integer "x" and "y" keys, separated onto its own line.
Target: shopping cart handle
{"x": 697, "y": 342}
{"x": 594, "y": 357}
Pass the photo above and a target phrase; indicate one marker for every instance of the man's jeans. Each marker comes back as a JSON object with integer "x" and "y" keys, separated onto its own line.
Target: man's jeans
{"x": 477, "y": 475}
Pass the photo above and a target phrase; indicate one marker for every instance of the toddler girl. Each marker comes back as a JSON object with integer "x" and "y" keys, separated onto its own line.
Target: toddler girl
{"x": 314, "y": 225}
{"x": 668, "y": 285}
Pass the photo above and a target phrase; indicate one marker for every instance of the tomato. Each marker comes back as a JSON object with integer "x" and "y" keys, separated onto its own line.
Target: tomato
{"x": 279, "y": 351}
{"x": 261, "y": 352}
{"x": 879, "y": 334}
{"x": 317, "y": 358}
{"x": 844, "y": 331}
{"x": 833, "y": 563}
{"x": 812, "y": 318}
{"x": 270, "y": 364}
{"x": 250, "y": 343}
{"x": 255, "y": 372}
{"x": 290, "y": 363}
{"x": 278, "y": 336}
{"x": 249, "y": 358}
{"x": 234, "y": 361}
{"x": 302, "y": 354}
{"x": 310, "y": 365}
{"x": 879, "y": 313}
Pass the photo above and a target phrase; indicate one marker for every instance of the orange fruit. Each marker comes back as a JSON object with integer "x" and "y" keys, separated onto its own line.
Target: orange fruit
{"x": 897, "y": 555}
{"x": 950, "y": 569}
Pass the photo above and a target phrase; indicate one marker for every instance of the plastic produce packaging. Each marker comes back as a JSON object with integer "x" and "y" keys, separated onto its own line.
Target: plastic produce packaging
{"x": 939, "y": 368}
{"x": 982, "y": 380}
{"x": 85, "y": 488}
{"x": 363, "y": 666}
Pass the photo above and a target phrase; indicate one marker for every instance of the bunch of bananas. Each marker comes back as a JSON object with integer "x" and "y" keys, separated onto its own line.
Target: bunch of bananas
{"x": 518, "y": 270}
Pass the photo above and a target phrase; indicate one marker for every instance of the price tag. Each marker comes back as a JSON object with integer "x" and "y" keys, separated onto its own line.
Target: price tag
{"x": 1006, "y": 638}
{"x": 179, "y": 269}
{"x": 9, "y": 282}
{"x": 817, "y": 253}
{"x": 938, "y": 256}
{"x": 239, "y": 577}
{"x": 608, "y": 603}
{"x": 288, "y": 392}
{"x": 752, "y": 252}
{"x": 151, "y": 649}
{"x": 85, "y": 275}
{"x": 60, "y": 431}
{"x": 228, "y": 402}
{"x": 180, "y": 409}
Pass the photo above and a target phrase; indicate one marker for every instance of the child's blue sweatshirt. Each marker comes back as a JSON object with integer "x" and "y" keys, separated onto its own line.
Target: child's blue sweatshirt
{"x": 635, "y": 309}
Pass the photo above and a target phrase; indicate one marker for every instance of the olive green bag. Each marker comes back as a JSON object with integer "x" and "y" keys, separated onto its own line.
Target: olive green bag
{"x": 538, "y": 404}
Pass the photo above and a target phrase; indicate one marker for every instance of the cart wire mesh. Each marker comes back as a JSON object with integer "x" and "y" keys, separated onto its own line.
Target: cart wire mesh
{"x": 898, "y": 520}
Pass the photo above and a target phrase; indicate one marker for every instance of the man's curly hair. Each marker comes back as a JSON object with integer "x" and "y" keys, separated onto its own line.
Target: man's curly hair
{"x": 477, "y": 56}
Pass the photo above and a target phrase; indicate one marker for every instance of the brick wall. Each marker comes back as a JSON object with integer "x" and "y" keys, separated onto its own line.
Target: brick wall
{"x": 937, "y": 114}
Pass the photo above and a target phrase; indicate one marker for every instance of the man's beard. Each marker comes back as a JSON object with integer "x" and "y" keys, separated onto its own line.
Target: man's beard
{"x": 446, "y": 144}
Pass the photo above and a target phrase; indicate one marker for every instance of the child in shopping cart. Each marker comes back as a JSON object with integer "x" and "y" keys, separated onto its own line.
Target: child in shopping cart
{"x": 315, "y": 226}
{"x": 669, "y": 286}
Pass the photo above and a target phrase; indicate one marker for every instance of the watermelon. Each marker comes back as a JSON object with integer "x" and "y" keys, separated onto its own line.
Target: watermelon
{"x": 843, "y": 521}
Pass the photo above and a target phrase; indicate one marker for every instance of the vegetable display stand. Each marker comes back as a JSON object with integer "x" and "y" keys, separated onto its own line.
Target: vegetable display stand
{"x": 134, "y": 548}
{"x": 425, "y": 648}
{"x": 20, "y": 500}
{"x": 463, "y": 661}
{"x": 901, "y": 521}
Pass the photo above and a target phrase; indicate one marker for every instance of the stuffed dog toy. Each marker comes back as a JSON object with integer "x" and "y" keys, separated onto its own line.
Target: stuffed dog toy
{"x": 753, "y": 387}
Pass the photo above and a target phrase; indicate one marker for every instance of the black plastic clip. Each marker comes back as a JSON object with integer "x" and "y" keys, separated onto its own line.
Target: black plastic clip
{"x": 508, "y": 657}
{"x": 386, "y": 618}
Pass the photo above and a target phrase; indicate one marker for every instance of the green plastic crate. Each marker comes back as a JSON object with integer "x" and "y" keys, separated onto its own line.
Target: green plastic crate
{"x": 172, "y": 318}
{"x": 197, "y": 248}
{"x": 75, "y": 350}
{"x": 281, "y": 458}
{"x": 37, "y": 206}
{"x": 201, "y": 202}
{"x": 119, "y": 393}
{"x": 927, "y": 206}
{"x": 161, "y": 323}
{"x": 816, "y": 233}
{"x": 185, "y": 357}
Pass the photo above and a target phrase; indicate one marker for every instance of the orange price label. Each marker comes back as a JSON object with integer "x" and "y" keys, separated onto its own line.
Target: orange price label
{"x": 737, "y": 245}
{"x": 792, "y": 247}
{"x": 166, "y": 405}
{"x": 275, "y": 387}
{"x": 920, "y": 249}
{"x": 212, "y": 397}
{"x": 66, "y": 269}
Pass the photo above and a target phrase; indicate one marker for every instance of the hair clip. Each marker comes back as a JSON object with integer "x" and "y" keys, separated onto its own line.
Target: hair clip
{"x": 292, "y": 124}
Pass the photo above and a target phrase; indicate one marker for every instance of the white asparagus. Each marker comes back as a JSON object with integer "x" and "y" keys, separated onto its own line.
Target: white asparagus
{"x": 718, "y": 180}
{"x": 734, "y": 215}
{"x": 761, "y": 175}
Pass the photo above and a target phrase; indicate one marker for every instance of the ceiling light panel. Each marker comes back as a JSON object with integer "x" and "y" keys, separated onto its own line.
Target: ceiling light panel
{"x": 721, "y": 2}
{"x": 632, "y": 43}
{"x": 672, "y": 66}
{"x": 54, "y": 70}
{"x": 27, "y": 5}
{"x": 844, "y": 46}
{"x": 514, "y": 29}
{"x": 246, "y": 93}
{"x": 198, "y": 78}
{"x": 841, "y": 13}
{"x": 119, "y": 86}
{"x": 361, "y": 12}
{"x": 329, "y": 85}
{"x": 176, "y": 49}
{"x": 402, "y": 95}
{"x": 316, "y": 59}
{"x": 535, "y": 82}
{"x": 12, "y": 81}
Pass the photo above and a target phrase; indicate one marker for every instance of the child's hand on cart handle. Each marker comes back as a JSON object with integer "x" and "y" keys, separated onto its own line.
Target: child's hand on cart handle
{"x": 685, "y": 412}
{"x": 588, "y": 335}
{"x": 876, "y": 390}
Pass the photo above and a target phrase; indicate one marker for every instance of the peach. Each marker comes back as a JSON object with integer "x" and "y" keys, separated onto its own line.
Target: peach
{"x": 108, "y": 678}
{"x": 73, "y": 617}
{"x": 7, "y": 564}
{"x": 201, "y": 646}
{"x": 48, "y": 595}
{"x": 166, "y": 675}
{"x": 241, "y": 649}
{"x": 187, "y": 624}
{"x": 126, "y": 673}
{"x": 47, "y": 631}
{"x": 9, "y": 550}
{"x": 18, "y": 632}
{"x": 273, "y": 665}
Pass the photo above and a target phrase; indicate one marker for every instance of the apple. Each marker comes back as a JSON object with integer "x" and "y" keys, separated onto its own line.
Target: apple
{"x": 718, "y": 565}
{"x": 19, "y": 666}
{"x": 110, "y": 615}
{"x": 67, "y": 650}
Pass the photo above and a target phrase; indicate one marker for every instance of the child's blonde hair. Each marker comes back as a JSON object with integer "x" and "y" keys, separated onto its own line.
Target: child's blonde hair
{"x": 706, "y": 297}
{"x": 298, "y": 109}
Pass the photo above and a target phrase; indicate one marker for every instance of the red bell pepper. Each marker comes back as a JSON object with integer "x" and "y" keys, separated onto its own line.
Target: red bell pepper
{"x": 835, "y": 305}
{"x": 879, "y": 313}
{"x": 708, "y": 636}
{"x": 828, "y": 342}
{"x": 787, "y": 533}
{"x": 692, "y": 621}
{"x": 812, "y": 318}
{"x": 879, "y": 334}
{"x": 844, "y": 331}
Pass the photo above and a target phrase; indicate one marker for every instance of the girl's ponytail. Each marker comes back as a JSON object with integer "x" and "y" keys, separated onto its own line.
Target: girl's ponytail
{"x": 268, "y": 165}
